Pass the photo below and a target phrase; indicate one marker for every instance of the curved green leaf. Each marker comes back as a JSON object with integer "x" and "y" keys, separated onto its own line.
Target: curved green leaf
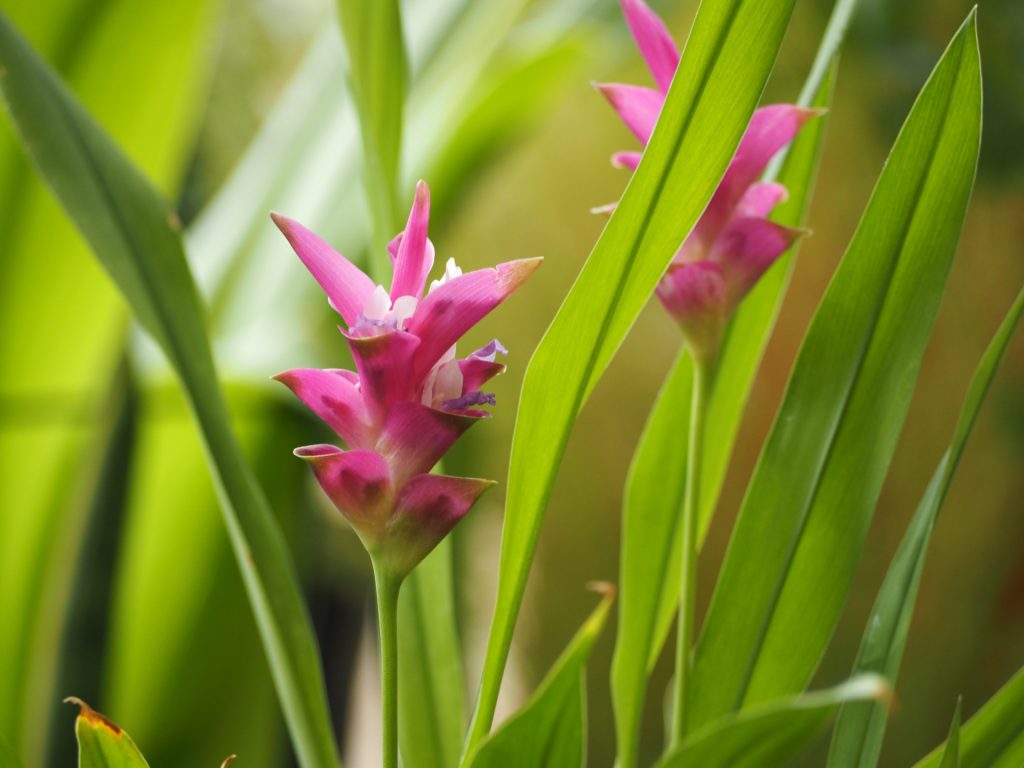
{"x": 770, "y": 734}
{"x": 651, "y": 544}
{"x": 101, "y": 744}
{"x": 994, "y": 737}
{"x": 550, "y": 730}
{"x": 857, "y": 740}
{"x": 951, "y": 752}
{"x": 726, "y": 62}
{"x": 131, "y": 229}
{"x": 809, "y": 504}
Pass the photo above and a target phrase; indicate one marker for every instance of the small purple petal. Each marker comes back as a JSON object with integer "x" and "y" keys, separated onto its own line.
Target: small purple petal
{"x": 456, "y": 306}
{"x": 415, "y": 437}
{"x": 346, "y": 286}
{"x": 469, "y": 400}
{"x": 637, "y": 106}
{"x": 414, "y": 259}
{"x": 489, "y": 351}
{"x": 358, "y": 483}
{"x": 335, "y": 398}
{"x": 654, "y": 41}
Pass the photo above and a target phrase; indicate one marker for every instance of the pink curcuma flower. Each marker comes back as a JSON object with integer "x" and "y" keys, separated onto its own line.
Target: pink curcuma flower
{"x": 733, "y": 243}
{"x": 410, "y": 397}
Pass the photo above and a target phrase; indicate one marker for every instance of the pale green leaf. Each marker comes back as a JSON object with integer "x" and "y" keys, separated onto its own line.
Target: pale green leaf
{"x": 131, "y": 230}
{"x": 101, "y": 744}
{"x": 770, "y": 734}
{"x": 857, "y": 740}
{"x": 727, "y": 59}
{"x": 809, "y": 504}
{"x": 994, "y": 737}
{"x": 550, "y": 730}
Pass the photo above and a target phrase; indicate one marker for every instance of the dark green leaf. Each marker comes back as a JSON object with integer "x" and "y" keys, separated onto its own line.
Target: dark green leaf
{"x": 857, "y": 740}
{"x": 809, "y": 504}
{"x": 951, "y": 752}
{"x": 727, "y": 59}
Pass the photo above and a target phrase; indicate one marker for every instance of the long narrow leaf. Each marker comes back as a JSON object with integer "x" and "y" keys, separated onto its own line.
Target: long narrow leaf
{"x": 857, "y": 740}
{"x": 550, "y": 730}
{"x": 770, "y": 734}
{"x": 724, "y": 67}
{"x": 809, "y": 505}
{"x": 651, "y": 544}
{"x": 951, "y": 752}
{"x": 994, "y": 737}
{"x": 131, "y": 231}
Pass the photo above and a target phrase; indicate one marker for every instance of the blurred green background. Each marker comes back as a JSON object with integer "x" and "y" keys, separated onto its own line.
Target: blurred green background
{"x": 116, "y": 579}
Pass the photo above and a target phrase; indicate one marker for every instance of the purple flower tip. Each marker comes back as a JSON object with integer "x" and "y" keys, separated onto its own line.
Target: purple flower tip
{"x": 469, "y": 400}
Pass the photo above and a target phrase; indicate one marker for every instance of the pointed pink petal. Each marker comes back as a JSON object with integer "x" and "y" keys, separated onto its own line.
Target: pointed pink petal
{"x": 385, "y": 365}
{"x": 653, "y": 40}
{"x": 346, "y": 286}
{"x": 627, "y": 160}
{"x": 747, "y": 248}
{"x": 415, "y": 437}
{"x": 335, "y": 398}
{"x": 770, "y": 129}
{"x": 476, "y": 373}
{"x": 456, "y": 306}
{"x": 760, "y": 199}
{"x": 358, "y": 483}
{"x": 414, "y": 259}
{"x": 637, "y": 106}
{"x": 428, "y": 507}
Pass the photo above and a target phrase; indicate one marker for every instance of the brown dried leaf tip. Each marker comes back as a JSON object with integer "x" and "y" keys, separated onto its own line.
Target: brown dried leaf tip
{"x": 228, "y": 760}
{"x": 92, "y": 717}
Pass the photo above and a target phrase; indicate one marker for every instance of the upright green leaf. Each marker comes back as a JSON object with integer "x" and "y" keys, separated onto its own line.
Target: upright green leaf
{"x": 951, "y": 752}
{"x": 550, "y": 730}
{"x": 724, "y": 66}
{"x": 101, "y": 744}
{"x": 857, "y": 740}
{"x": 809, "y": 505}
{"x": 652, "y": 503}
{"x": 431, "y": 694}
{"x": 377, "y": 73}
{"x": 770, "y": 734}
{"x": 994, "y": 737}
{"x": 131, "y": 230}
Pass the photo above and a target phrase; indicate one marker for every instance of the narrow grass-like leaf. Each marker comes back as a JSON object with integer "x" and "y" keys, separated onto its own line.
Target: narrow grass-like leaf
{"x": 377, "y": 74}
{"x": 809, "y": 505}
{"x": 651, "y": 544}
{"x": 131, "y": 230}
{"x": 951, "y": 752}
{"x": 724, "y": 67}
{"x": 431, "y": 685}
{"x": 101, "y": 744}
{"x": 550, "y": 730}
{"x": 773, "y": 733}
{"x": 994, "y": 737}
{"x": 857, "y": 740}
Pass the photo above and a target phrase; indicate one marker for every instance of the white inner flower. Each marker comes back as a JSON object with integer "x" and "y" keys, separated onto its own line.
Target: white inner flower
{"x": 451, "y": 271}
{"x": 444, "y": 382}
{"x": 380, "y": 309}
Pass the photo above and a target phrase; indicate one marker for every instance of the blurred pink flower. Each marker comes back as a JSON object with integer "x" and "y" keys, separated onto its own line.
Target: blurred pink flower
{"x": 409, "y": 398}
{"x": 733, "y": 243}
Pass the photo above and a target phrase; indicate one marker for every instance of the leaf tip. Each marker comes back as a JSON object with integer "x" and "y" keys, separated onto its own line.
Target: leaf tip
{"x": 93, "y": 718}
{"x": 228, "y": 761}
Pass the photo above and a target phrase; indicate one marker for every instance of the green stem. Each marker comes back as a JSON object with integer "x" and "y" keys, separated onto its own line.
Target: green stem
{"x": 387, "y": 619}
{"x": 702, "y": 372}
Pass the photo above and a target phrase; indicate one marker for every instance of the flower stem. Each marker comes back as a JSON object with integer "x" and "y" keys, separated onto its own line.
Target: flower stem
{"x": 387, "y": 619}
{"x": 702, "y": 373}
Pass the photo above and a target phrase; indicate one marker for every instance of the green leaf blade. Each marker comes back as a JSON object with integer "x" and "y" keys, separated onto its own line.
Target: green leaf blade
{"x": 857, "y": 740}
{"x": 550, "y": 730}
{"x": 132, "y": 231}
{"x": 728, "y": 57}
{"x": 773, "y": 733}
{"x": 101, "y": 744}
{"x": 809, "y": 504}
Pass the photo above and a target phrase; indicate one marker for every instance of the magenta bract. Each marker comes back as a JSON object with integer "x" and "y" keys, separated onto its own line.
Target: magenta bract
{"x": 733, "y": 243}
{"x": 410, "y": 398}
